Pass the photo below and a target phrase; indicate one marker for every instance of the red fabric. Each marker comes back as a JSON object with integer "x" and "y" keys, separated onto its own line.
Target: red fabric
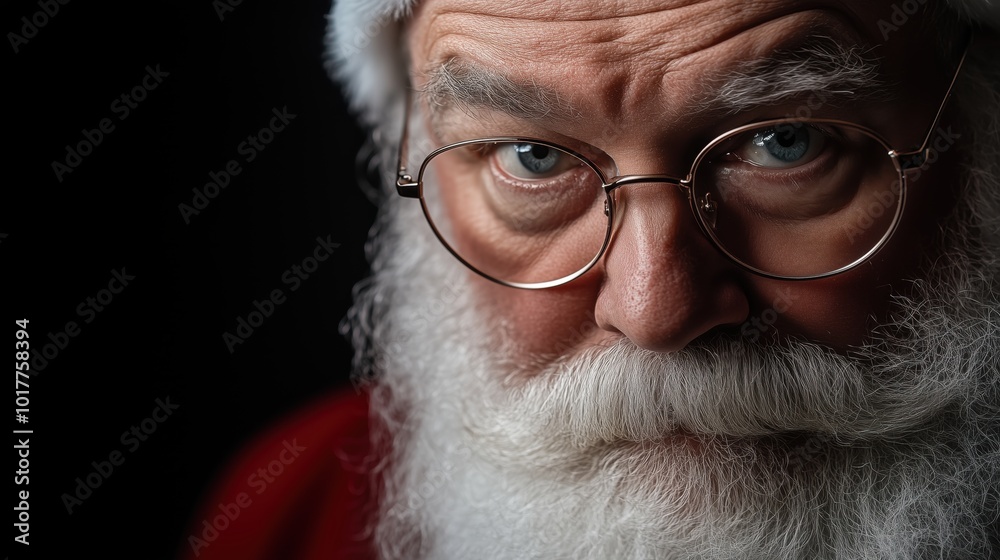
{"x": 302, "y": 491}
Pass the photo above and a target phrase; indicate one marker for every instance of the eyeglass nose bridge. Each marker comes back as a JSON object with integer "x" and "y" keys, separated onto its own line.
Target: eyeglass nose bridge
{"x": 704, "y": 208}
{"x": 620, "y": 181}
{"x": 623, "y": 180}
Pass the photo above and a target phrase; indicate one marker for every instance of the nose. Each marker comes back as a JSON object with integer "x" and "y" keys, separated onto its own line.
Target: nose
{"x": 664, "y": 283}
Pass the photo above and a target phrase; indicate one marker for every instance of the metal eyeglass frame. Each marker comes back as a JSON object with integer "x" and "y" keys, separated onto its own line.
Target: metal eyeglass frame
{"x": 904, "y": 162}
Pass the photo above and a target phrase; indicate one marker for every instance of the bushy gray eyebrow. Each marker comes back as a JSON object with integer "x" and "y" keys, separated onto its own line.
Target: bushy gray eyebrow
{"x": 820, "y": 66}
{"x": 471, "y": 86}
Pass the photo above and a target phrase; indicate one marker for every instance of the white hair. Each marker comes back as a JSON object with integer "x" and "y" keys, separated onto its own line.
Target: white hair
{"x": 722, "y": 450}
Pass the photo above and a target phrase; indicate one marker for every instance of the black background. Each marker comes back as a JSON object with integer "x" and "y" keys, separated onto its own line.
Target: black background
{"x": 162, "y": 335}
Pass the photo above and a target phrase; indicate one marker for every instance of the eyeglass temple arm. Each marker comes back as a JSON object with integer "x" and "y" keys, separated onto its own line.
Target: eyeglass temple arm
{"x": 405, "y": 185}
{"x": 919, "y": 156}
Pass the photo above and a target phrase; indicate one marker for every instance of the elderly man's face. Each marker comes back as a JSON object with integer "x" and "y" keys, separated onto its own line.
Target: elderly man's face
{"x": 668, "y": 403}
{"x": 640, "y": 82}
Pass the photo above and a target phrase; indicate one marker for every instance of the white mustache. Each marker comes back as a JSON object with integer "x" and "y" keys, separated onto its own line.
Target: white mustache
{"x": 727, "y": 386}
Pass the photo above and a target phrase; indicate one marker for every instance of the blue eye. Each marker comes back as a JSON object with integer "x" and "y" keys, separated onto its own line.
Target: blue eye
{"x": 786, "y": 143}
{"x": 536, "y": 158}
{"x": 782, "y": 146}
{"x": 528, "y": 161}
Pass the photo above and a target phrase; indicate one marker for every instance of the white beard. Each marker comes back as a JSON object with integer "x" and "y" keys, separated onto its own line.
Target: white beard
{"x": 724, "y": 450}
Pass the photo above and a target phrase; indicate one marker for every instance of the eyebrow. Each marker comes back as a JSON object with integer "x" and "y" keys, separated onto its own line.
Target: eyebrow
{"x": 819, "y": 66}
{"x": 461, "y": 84}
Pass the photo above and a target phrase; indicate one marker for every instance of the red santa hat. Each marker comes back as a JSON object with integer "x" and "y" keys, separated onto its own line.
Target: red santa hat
{"x": 364, "y": 55}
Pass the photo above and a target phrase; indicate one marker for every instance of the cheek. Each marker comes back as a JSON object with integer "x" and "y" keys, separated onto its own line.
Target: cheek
{"x": 540, "y": 325}
{"x": 835, "y": 312}
{"x": 841, "y": 311}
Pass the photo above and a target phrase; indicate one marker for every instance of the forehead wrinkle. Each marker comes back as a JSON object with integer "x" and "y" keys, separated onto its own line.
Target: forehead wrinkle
{"x": 596, "y": 40}
{"x": 554, "y": 11}
{"x": 643, "y": 73}
{"x": 824, "y": 54}
{"x": 660, "y": 49}
{"x": 591, "y": 45}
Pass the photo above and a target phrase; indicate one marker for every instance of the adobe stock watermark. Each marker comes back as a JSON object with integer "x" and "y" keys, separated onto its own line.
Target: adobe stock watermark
{"x": 132, "y": 439}
{"x": 122, "y": 106}
{"x": 259, "y": 480}
{"x": 757, "y": 325}
{"x": 224, "y": 7}
{"x": 86, "y": 310}
{"x": 886, "y": 200}
{"x": 900, "y": 14}
{"x": 38, "y": 20}
{"x": 293, "y": 277}
{"x": 249, "y": 149}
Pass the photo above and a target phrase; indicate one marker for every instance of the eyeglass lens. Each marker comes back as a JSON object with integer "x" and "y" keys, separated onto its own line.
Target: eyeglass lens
{"x": 789, "y": 199}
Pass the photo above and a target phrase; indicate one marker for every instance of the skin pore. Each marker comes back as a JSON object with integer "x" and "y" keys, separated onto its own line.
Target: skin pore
{"x": 635, "y": 75}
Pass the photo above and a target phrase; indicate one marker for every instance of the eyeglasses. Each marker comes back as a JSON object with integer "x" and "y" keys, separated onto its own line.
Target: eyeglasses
{"x": 789, "y": 199}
